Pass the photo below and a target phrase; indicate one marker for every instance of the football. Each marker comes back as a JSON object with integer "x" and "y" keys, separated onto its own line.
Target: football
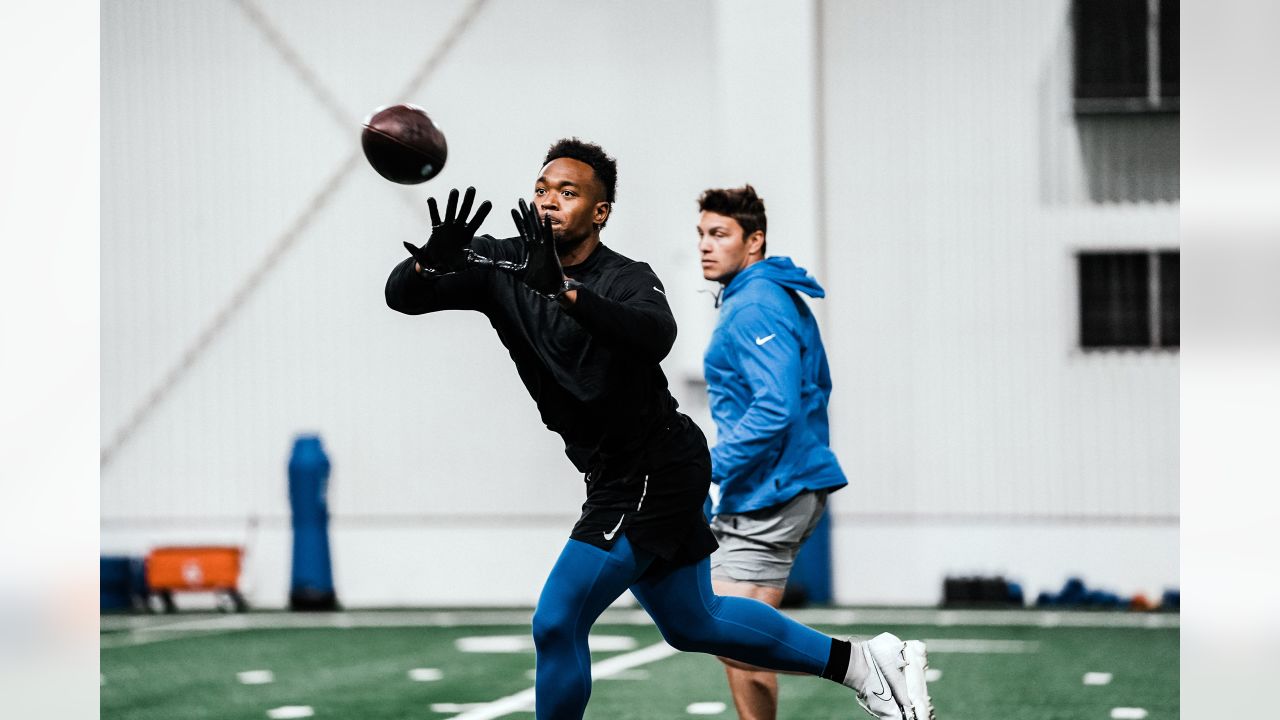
{"x": 403, "y": 144}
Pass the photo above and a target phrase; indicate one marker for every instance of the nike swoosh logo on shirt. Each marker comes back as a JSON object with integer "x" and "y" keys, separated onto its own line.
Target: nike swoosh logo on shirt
{"x": 609, "y": 535}
{"x": 766, "y": 338}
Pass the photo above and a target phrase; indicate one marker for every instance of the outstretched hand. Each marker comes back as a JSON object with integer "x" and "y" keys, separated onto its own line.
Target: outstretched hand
{"x": 542, "y": 272}
{"x": 447, "y": 250}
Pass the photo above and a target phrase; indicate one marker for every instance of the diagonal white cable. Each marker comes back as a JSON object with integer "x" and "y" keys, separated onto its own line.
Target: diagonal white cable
{"x": 287, "y": 240}
{"x": 291, "y": 58}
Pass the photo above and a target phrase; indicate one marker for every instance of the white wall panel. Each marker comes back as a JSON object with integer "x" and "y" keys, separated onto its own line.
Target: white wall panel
{"x": 958, "y": 185}
{"x": 214, "y": 145}
{"x": 959, "y": 388}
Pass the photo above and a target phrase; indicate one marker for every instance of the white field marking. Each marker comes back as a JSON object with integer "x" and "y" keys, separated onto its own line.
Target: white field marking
{"x": 599, "y": 671}
{"x": 425, "y": 674}
{"x": 980, "y": 646}
{"x": 290, "y": 711}
{"x": 495, "y": 644}
{"x": 136, "y": 630}
{"x": 611, "y": 643}
{"x": 256, "y": 677}
{"x": 993, "y": 618}
{"x": 932, "y": 675}
{"x": 146, "y": 638}
{"x": 1097, "y": 678}
{"x": 1123, "y": 713}
{"x": 624, "y": 675}
{"x": 705, "y": 708}
{"x": 630, "y": 675}
{"x": 454, "y": 707}
{"x": 524, "y": 643}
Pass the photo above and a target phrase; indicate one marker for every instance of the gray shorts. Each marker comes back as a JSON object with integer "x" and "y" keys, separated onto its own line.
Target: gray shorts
{"x": 759, "y": 547}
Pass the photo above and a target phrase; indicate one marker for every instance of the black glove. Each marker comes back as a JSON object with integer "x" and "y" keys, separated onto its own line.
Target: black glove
{"x": 447, "y": 250}
{"x": 542, "y": 271}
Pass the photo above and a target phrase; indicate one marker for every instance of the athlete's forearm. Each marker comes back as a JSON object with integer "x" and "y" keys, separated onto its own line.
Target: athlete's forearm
{"x": 645, "y": 330}
{"x": 407, "y": 291}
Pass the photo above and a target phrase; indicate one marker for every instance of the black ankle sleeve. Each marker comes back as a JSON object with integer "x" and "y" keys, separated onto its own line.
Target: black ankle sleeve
{"x": 838, "y": 664}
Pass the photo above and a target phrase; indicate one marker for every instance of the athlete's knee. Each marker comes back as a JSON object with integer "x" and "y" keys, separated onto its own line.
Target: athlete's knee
{"x": 551, "y": 625}
{"x": 689, "y": 636}
{"x": 688, "y": 628}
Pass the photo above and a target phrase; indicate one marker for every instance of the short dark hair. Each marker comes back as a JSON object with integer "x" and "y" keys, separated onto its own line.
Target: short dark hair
{"x": 741, "y": 204}
{"x": 605, "y": 167}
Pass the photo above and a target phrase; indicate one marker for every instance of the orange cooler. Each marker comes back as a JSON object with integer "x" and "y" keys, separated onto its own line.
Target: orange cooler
{"x": 208, "y": 568}
{"x": 194, "y": 568}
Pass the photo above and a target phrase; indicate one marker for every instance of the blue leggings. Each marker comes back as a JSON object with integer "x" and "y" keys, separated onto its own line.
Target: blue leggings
{"x": 692, "y": 618}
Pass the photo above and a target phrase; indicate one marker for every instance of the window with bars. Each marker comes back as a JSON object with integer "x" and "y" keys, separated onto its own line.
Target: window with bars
{"x": 1126, "y": 56}
{"x": 1128, "y": 299}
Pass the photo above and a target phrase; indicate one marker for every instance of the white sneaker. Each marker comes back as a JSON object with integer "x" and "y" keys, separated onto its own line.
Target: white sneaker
{"x": 917, "y": 688}
{"x": 876, "y": 675}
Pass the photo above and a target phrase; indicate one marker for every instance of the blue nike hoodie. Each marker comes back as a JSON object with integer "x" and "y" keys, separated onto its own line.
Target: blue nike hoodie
{"x": 769, "y": 384}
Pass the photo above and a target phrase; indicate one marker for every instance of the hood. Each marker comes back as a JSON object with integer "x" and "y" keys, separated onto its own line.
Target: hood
{"x": 779, "y": 270}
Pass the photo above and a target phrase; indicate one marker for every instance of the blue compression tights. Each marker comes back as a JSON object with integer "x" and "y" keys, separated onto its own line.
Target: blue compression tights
{"x": 587, "y": 579}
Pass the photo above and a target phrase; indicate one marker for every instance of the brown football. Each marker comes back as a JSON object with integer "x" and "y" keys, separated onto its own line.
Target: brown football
{"x": 403, "y": 145}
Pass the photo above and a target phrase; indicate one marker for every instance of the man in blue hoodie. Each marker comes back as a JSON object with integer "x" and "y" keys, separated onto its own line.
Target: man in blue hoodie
{"x": 769, "y": 385}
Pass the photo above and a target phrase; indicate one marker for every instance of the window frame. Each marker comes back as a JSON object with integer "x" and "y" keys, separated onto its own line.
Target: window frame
{"x": 1154, "y": 101}
{"x": 1155, "y": 341}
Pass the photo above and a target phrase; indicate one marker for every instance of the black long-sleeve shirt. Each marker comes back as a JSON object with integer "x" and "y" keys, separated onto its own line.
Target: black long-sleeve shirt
{"x": 592, "y": 368}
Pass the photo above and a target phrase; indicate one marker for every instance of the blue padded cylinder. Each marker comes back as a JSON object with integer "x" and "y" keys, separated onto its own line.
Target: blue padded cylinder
{"x": 311, "y": 584}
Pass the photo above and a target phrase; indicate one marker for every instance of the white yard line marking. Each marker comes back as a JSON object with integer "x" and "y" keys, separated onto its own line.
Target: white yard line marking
{"x": 140, "y": 630}
{"x": 256, "y": 677}
{"x": 524, "y": 643}
{"x": 705, "y": 708}
{"x": 1128, "y": 713}
{"x": 1097, "y": 678}
{"x": 532, "y": 674}
{"x": 426, "y": 674}
{"x": 290, "y": 711}
{"x": 623, "y": 616}
{"x": 138, "y": 638}
{"x": 980, "y": 646}
{"x": 454, "y": 707}
{"x": 494, "y": 644}
{"x": 523, "y": 700}
{"x": 630, "y": 675}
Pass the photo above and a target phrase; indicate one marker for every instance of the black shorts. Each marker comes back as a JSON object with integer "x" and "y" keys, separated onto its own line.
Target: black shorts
{"x": 659, "y": 506}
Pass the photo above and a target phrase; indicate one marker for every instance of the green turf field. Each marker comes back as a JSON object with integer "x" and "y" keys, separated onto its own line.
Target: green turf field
{"x": 1024, "y": 665}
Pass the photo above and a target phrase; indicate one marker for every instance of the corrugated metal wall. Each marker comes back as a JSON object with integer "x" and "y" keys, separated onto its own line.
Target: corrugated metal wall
{"x": 958, "y": 185}
{"x": 222, "y": 122}
{"x": 961, "y": 186}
